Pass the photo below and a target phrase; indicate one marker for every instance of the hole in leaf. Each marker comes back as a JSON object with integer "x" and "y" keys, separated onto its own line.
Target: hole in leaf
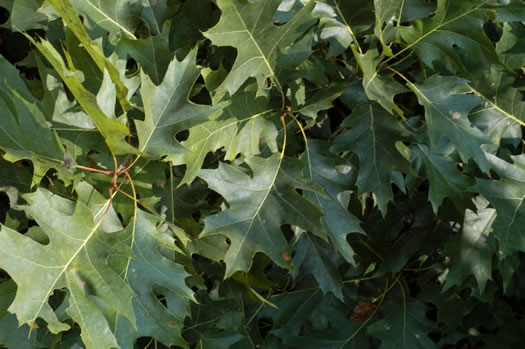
{"x": 131, "y": 67}
{"x": 493, "y": 31}
{"x": 265, "y": 324}
{"x": 143, "y": 342}
{"x": 182, "y": 135}
{"x": 431, "y": 314}
{"x": 199, "y": 94}
{"x": 196, "y": 216}
{"x": 4, "y": 206}
{"x": 268, "y": 82}
{"x": 288, "y": 232}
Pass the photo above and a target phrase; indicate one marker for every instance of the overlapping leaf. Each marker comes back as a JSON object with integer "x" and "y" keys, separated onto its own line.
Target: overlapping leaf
{"x": 338, "y": 222}
{"x": 153, "y": 54}
{"x": 113, "y": 131}
{"x": 503, "y": 112}
{"x": 69, "y": 16}
{"x": 314, "y": 256}
{"x": 239, "y": 128}
{"x": 168, "y": 110}
{"x": 152, "y": 269}
{"x": 391, "y": 13}
{"x": 372, "y": 136}
{"x": 381, "y": 89}
{"x": 75, "y": 258}
{"x": 453, "y": 38}
{"x": 259, "y": 205}
{"x": 447, "y": 116}
{"x": 507, "y": 196}
{"x": 24, "y": 14}
{"x": 263, "y": 48}
{"x": 369, "y": 265}
{"x": 340, "y": 22}
{"x": 114, "y": 16}
{"x": 404, "y": 326}
{"x": 24, "y": 130}
{"x": 10, "y": 333}
{"x": 445, "y": 179}
{"x": 471, "y": 252}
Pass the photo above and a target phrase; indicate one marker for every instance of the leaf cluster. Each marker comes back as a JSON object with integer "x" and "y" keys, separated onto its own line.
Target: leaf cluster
{"x": 262, "y": 174}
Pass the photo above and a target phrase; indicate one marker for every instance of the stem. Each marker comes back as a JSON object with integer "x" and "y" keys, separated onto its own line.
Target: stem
{"x": 106, "y": 172}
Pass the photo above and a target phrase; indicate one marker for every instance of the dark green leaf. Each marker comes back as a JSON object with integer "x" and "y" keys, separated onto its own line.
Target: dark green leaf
{"x": 259, "y": 205}
{"x": 168, "y": 110}
{"x": 372, "y": 136}
{"x": 264, "y": 49}
{"x": 447, "y": 116}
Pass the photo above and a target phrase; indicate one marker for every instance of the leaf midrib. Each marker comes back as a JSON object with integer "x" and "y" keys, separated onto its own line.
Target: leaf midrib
{"x": 65, "y": 266}
{"x": 111, "y": 20}
{"x": 442, "y": 24}
{"x": 255, "y": 41}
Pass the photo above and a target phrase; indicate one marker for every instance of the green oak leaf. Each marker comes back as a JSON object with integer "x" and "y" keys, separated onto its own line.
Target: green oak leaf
{"x": 114, "y": 16}
{"x": 507, "y": 196}
{"x": 24, "y": 14}
{"x": 12, "y": 82}
{"x": 25, "y": 133}
{"x": 471, "y": 253}
{"x": 372, "y": 136}
{"x": 150, "y": 269}
{"x": 113, "y": 131}
{"x": 24, "y": 130}
{"x": 401, "y": 251}
{"x": 503, "y": 113}
{"x": 239, "y": 128}
{"x": 155, "y": 13}
{"x": 416, "y": 9}
{"x": 67, "y": 11}
{"x": 261, "y": 45}
{"x": 339, "y": 333}
{"x": 390, "y": 13}
{"x": 216, "y": 339}
{"x": 213, "y": 247}
{"x": 153, "y": 54}
{"x": 381, "y": 89}
{"x": 453, "y": 38}
{"x": 336, "y": 176}
{"x": 446, "y": 115}
{"x": 82, "y": 61}
{"x": 446, "y": 181}
{"x": 340, "y": 21}
{"x": 194, "y": 18}
{"x": 97, "y": 204}
{"x": 75, "y": 258}
{"x": 85, "y": 310}
{"x": 258, "y": 205}
{"x": 319, "y": 101}
{"x": 11, "y": 334}
{"x": 168, "y": 110}
{"x": 507, "y": 10}
{"x": 386, "y": 12}
{"x": 404, "y": 326}
{"x": 314, "y": 256}
{"x": 293, "y": 308}
{"x": 62, "y": 112}
{"x": 12, "y": 176}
